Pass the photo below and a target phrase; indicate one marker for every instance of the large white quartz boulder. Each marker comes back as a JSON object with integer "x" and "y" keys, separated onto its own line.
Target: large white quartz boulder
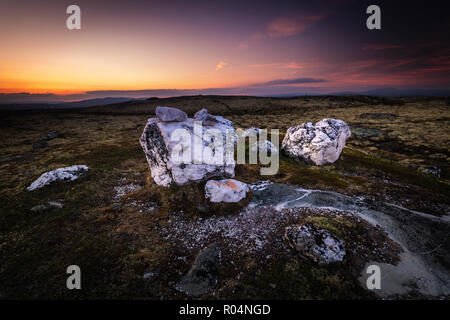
{"x": 192, "y": 150}
{"x": 62, "y": 174}
{"x": 315, "y": 243}
{"x": 226, "y": 190}
{"x": 320, "y": 144}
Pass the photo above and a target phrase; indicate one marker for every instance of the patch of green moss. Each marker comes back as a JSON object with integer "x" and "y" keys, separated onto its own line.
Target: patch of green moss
{"x": 355, "y": 160}
{"x": 310, "y": 176}
{"x": 324, "y": 223}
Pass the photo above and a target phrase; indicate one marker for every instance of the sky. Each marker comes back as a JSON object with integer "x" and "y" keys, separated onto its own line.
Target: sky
{"x": 164, "y": 48}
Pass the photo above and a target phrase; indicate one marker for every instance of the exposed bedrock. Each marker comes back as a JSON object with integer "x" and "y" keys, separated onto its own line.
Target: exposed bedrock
{"x": 425, "y": 262}
{"x": 202, "y": 276}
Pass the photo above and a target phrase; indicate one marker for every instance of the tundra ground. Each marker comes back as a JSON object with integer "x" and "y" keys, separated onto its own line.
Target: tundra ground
{"x": 111, "y": 221}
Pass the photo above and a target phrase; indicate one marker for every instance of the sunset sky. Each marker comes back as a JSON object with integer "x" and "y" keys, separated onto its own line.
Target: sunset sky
{"x": 144, "y": 48}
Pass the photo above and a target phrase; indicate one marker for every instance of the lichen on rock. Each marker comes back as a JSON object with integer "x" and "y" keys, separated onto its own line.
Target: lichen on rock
{"x": 315, "y": 243}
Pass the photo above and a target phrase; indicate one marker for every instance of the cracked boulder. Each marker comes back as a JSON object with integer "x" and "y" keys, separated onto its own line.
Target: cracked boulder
{"x": 315, "y": 243}
{"x": 188, "y": 151}
{"x": 319, "y": 144}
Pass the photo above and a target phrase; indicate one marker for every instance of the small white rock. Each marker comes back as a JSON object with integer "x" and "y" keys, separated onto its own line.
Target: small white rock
{"x": 226, "y": 190}
{"x": 62, "y": 174}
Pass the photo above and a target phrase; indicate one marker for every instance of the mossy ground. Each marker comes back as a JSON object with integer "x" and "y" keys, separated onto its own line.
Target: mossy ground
{"x": 115, "y": 247}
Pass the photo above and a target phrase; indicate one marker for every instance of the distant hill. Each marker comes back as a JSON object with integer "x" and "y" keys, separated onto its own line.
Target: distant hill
{"x": 221, "y": 105}
{"x": 63, "y": 105}
{"x": 224, "y": 105}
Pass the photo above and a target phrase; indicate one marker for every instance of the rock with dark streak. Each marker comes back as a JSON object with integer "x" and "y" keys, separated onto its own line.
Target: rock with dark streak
{"x": 202, "y": 276}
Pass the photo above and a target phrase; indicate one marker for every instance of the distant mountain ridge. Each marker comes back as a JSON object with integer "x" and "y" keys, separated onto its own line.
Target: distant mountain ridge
{"x": 379, "y": 92}
{"x": 64, "y": 105}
